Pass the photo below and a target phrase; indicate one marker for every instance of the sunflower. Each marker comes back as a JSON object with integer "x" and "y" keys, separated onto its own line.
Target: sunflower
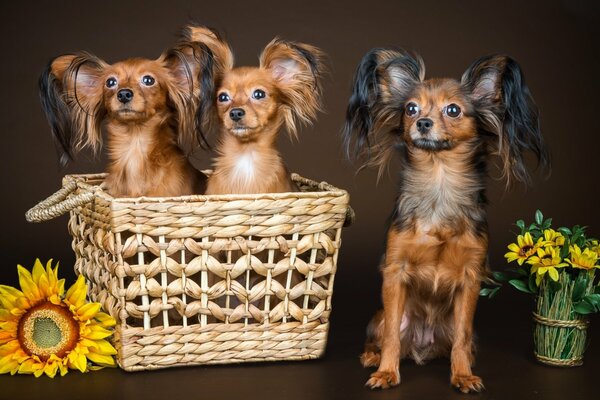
{"x": 553, "y": 238}
{"x": 585, "y": 259}
{"x": 546, "y": 260}
{"x": 594, "y": 246}
{"x": 45, "y": 331}
{"x": 523, "y": 249}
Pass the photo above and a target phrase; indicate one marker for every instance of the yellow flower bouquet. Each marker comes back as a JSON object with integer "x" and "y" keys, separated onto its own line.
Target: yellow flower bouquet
{"x": 560, "y": 268}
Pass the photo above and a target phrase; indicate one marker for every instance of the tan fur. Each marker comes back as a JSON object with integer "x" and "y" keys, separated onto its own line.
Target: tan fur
{"x": 436, "y": 255}
{"x": 143, "y": 135}
{"x": 248, "y": 160}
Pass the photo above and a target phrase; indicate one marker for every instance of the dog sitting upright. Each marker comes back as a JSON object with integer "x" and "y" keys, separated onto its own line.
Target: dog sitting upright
{"x": 253, "y": 104}
{"x": 436, "y": 253}
{"x": 146, "y": 107}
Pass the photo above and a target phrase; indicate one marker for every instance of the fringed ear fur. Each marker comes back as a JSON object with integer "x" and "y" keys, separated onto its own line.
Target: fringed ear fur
{"x": 383, "y": 80}
{"x": 190, "y": 67}
{"x": 298, "y": 69}
{"x": 71, "y": 97}
{"x": 217, "y": 59}
{"x": 506, "y": 109}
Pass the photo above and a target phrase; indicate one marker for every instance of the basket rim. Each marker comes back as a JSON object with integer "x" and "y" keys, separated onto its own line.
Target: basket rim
{"x": 325, "y": 190}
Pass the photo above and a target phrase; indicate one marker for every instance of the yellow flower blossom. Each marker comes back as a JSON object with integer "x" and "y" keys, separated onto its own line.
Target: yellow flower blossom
{"x": 546, "y": 261}
{"x": 586, "y": 259}
{"x": 45, "y": 331}
{"x": 553, "y": 238}
{"x": 523, "y": 249}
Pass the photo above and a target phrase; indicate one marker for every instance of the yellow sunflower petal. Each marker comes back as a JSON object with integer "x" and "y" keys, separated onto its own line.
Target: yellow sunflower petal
{"x": 74, "y": 361}
{"x": 101, "y": 359}
{"x": 97, "y": 332}
{"x": 514, "y": 247}
{"x": 26, "y": 366}
{"x": 38, "y": 271}
{"x": 28, "y": 286}
{"x": 50, "y": 369}
{"x": 105, "y": 320}
{"x": 11, "y": 298}
{"x": 11, "y": 366}
{"x": 104, "y": 347}
{"x": 61, "y": 287}
{"x": 553, "y": 274}
{"x": 63, "y": 369}
{"x": 88, "y": 311}
{"x": 76, "y": 294}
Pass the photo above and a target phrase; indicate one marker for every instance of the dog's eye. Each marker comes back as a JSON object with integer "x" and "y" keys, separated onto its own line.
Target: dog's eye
{"x": 111, "y": 82}
{"x": 412, "y": 109}
{"x": 452, "y": 110}
{"x": 148, "y": 80}
{"x": 259, "y": 94}
{"x": 223, "y": 97}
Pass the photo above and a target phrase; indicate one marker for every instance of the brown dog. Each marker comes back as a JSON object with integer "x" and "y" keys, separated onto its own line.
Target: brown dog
{"x": 253, "y": 104}
{"x": 436, "y": 253}
{"x": 146, "y": 107}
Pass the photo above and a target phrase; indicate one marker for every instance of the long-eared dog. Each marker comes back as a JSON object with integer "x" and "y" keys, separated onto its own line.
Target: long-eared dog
{"x": 147, "y": 108}
{"x": 252, "y": 105}
{"x": 436, "y": 251}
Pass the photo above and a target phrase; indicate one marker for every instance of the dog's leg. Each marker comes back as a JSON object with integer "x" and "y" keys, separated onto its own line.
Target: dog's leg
{"x": 394, "y": 297}
{"x": 372, "y": 354}
{"x": 462, "y": 348}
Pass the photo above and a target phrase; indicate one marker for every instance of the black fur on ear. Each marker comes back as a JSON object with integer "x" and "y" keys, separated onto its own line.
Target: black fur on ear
{"x": 57, "y": 112}
{"x": 383, "y": 81}
{"x": 71, "y": 97}
{"x": 216, "y": 58}
{"x": 191, "y": 66}
{"x": 505, "y": 108}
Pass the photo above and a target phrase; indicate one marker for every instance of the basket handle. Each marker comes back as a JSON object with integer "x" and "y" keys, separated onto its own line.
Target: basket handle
{"x": 58, "y": 203}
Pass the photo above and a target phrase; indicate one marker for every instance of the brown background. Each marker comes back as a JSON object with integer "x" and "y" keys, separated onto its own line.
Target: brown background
{"x": 556, "y": 44}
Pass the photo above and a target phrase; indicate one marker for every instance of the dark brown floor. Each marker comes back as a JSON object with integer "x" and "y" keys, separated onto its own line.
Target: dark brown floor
{"x": 504, "y": 361}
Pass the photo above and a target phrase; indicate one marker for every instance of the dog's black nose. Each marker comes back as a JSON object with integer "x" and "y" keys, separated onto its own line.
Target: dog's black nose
{"x": 124, "y": 95}
{"x": 424, "y": 125}
{"x": 236, "y": 114}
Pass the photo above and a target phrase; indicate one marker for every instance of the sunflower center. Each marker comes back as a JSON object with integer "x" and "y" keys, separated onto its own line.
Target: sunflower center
{"x": 46, "y": 333}
{"x": 525, "y": 250}
{"x": 48, "y": 329}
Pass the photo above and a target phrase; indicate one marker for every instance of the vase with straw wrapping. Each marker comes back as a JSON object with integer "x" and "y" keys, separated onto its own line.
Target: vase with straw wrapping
{"x": 559, "y": 267}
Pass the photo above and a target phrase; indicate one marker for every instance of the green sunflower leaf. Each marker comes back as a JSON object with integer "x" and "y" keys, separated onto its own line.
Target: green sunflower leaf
{"x": 565, "y": 231}
{"x": 493, "y": 292}
{"x": 539, "y": 217}
{"x": 593, "y": 299}
{"x": 521, "y": 225}
{"x": 500, "y": 276}
{"x": 583, "y": 307}
{"x": 520, "y": 285}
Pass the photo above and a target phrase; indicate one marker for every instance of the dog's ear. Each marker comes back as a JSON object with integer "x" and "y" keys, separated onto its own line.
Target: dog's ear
{"x": 506, "y": 109}
{"x": 221, "y": 51}
{"x": 71, "y": 96}
{"x": 382, "y": 82}
{"x": 218, "y": 60}
{"x": 190, "y": 89}
{"x": 298, "y": 69}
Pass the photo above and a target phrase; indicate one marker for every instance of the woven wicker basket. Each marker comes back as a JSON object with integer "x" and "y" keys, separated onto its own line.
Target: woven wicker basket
{"x": 207, "y": 279}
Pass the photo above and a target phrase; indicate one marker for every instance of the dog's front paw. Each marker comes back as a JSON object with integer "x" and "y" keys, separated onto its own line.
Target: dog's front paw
{"x": 383, "y": 379}
{"x": 467, "y": 383}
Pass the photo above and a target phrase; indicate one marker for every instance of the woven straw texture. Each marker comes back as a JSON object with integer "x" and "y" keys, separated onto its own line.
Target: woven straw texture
{"x": 208, "y": 279}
